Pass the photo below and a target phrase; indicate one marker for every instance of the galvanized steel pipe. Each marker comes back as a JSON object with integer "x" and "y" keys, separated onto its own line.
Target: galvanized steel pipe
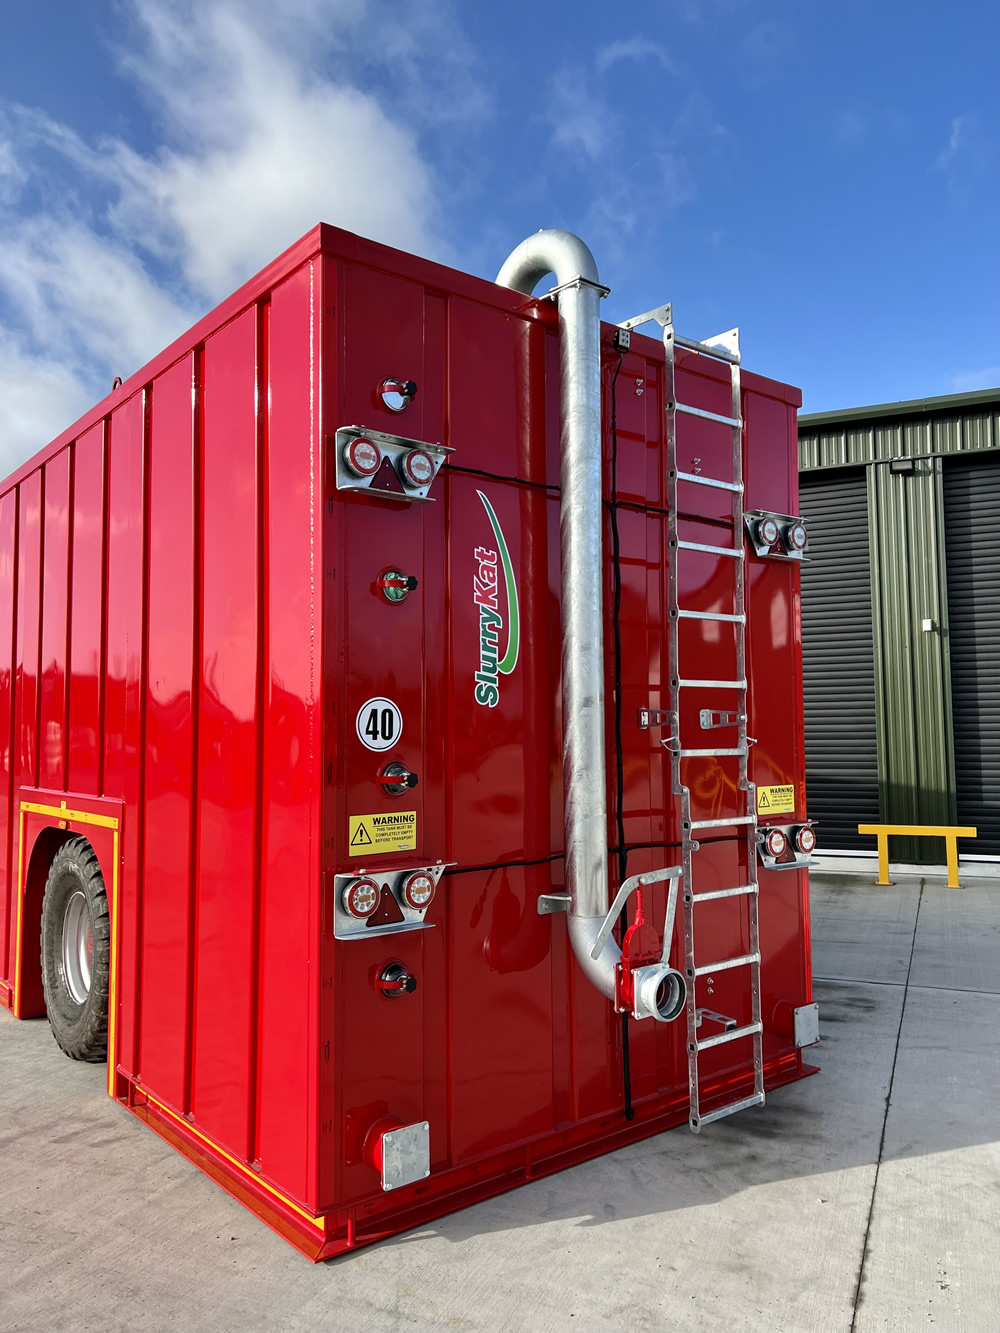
{"x": 580, "y": 533}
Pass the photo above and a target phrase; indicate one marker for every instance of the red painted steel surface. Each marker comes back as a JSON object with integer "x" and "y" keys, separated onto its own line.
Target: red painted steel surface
{"x": 190, "y": 621}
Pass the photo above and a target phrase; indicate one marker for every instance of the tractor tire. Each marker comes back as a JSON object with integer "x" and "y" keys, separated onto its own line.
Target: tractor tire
{"x": 76, "y": 952}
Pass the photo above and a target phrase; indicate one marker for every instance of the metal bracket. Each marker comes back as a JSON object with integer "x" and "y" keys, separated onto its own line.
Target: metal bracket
{"x": 752, "y": 517}
{"x": 346, "y": 927}
{"x": 662, "y": 315}
{"x": 578, "y": 281}
{"x": 673, "y": 873}
{"x": 728, "y": 341}
{"x": 393, "y": 447}
{"x": 550, "y": 903}
{"x": 653, "y": 717}
{"x": 710, "y": 1016}
{"x": 710, "y": 718}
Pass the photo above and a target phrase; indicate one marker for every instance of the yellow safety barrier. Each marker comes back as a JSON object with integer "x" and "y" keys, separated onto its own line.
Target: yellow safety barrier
{"x": 886, "y": 831}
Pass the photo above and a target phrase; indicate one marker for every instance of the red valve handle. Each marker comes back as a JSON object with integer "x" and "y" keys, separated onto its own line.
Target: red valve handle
{"x": 398, "y": 779}
{"x": 395, "y": 981}
{"x": 406, "y": 984}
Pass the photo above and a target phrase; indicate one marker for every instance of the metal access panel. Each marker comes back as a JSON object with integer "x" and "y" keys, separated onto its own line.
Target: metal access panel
{"x": 406, "y": 1155}
{"x": 806, "y": 1022}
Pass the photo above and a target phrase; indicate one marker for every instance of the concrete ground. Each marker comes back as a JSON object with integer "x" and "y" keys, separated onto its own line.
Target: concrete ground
{"x": 865, "y": 1199}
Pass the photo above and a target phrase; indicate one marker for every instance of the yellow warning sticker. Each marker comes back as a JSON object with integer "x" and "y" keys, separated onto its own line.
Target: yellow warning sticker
{"x": 775, "y": 800}
{"x": 370, "y": 834}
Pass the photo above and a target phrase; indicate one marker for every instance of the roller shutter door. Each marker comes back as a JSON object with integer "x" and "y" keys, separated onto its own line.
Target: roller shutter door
{"x": 838, "y": 660}
{"x": 972, "y": 550}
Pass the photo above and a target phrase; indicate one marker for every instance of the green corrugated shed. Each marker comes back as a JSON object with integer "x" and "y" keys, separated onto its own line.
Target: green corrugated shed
{"x": 909, "y": 585}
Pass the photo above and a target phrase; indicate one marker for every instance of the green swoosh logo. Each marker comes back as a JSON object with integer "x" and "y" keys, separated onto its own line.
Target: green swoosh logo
{"x": 509, "y": 662}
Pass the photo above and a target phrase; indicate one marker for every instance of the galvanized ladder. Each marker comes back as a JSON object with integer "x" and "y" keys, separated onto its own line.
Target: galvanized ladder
{"x": 725, "y": 348}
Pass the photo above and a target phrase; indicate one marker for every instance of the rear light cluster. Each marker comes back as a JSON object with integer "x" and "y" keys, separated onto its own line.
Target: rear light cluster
{"x": 387, "y": 901}
{"x": 788, "y": 845}
{"x": 775, "y": 842}
{"x": 363, "y": 458}
{"x": 361, "y": 897}
{"x": 418, "y": 890}
{"x": 805, "y": 839}
{"x": 780, "y": 535}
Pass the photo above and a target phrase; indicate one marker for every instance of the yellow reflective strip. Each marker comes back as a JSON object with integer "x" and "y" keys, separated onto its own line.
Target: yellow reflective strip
{"x": 75, "y": 816}
{"x": 233, "y": 1161}
{"x": 113, "y": 965}
{"x": 20, "y": 895}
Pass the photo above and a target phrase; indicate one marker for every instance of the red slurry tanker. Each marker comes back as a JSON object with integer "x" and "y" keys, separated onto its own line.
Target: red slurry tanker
{"x": 400, "y": 713}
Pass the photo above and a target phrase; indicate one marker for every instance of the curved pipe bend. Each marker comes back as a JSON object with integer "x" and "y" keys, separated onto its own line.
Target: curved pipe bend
{"x": 553, "y": 251}
{"x": 580, "y": 538}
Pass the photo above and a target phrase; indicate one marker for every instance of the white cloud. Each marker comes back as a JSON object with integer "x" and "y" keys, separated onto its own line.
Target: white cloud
{"x": 37, "y": 393}
{"x": 581, "y": 119}
{"x": 627, "y": 181}
{"x": 967, "y": 381}
{"x": 632, "y": 48}
{"x": 966, "y": 159}
{"x": 267, "y": 124}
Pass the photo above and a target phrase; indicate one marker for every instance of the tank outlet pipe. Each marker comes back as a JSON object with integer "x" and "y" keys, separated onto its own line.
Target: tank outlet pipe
{"x": 578, "y": 293}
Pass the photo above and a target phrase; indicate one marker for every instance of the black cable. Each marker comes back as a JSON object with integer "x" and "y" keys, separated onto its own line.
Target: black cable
{"x": 558, "y": 856}
{"x": 655, "y": 509}
{"x": 622, "y": 851}
{"x": 499, "y": 476}
{"x": 505, "y": 865}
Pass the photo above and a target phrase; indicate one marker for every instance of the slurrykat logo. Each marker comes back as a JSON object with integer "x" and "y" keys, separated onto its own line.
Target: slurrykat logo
{"x": 486, "y": 594}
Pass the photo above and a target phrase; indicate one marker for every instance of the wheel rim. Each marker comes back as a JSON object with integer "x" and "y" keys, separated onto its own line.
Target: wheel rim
{"x": 77, "y": 946}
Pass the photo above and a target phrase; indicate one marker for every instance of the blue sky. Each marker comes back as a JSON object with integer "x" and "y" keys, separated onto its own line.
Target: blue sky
{"x": 826, "y": 176}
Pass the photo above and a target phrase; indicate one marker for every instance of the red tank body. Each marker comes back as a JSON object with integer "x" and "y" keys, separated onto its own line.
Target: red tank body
{"x": 202, "y": 673}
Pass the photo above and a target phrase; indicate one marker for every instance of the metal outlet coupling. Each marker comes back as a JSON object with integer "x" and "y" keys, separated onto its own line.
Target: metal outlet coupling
{"x": 660, "y": 992}
{"x": 395, "y": 778}
{"x": 396, "y": 586}
{"x": 394, "y": 981}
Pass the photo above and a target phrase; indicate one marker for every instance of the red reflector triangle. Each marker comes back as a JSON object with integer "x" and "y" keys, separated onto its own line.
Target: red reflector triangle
{"x": 388, "y": 911}
{"x": 385, "y": 479}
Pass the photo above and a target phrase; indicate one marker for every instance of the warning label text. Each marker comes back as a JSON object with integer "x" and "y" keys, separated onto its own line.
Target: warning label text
{"x": 371, "y": 834}
{"x": 775, "y": 800}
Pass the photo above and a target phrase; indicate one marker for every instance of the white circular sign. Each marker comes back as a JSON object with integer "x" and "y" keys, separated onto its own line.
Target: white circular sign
{"x": 379, "y": 724}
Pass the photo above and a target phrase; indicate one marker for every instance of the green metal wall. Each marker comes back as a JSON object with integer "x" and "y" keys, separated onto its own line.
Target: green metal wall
{"x": 909, "y": 585}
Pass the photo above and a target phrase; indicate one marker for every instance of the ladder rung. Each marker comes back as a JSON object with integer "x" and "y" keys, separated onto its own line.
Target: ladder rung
{"x": 735, "y": 551}
{"x": 723, "y": 823}
{"x": 714, "y": 684}
{"x": 745, "y": 960}
{"x": 721, "y": 1038}
{"x": 697, "y": 479}
{"x": 711, "y": 615}
{"x": 710, "y": 754}
{"x": 708, "y": 349}
{"x": 756, "y": 1099}
{"x": 735, "y": 422}
{"x": 724, "y": 893}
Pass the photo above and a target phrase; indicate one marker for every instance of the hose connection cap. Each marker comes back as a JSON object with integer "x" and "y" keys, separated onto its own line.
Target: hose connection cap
{"x": 660, "y": 992}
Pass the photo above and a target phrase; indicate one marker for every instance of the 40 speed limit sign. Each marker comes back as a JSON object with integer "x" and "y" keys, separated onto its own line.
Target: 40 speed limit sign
{"x": 379, "y": 724}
